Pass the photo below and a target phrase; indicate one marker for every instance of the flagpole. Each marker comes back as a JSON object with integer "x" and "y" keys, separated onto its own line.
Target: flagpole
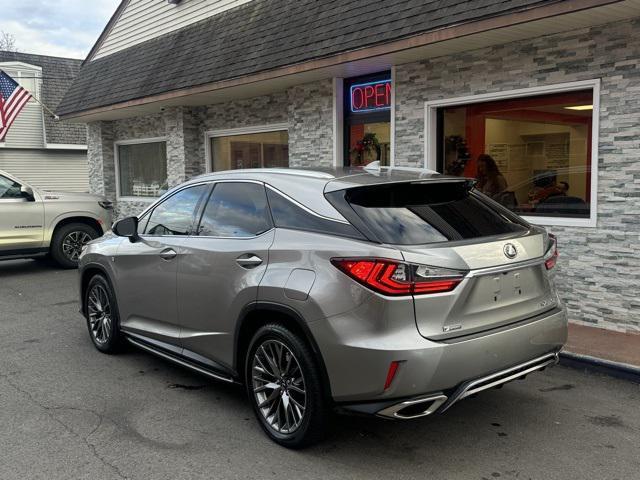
{"x": 55, "y": 117}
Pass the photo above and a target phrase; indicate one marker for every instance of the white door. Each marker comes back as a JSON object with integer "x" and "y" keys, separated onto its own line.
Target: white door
{"x": 21, "y": 218}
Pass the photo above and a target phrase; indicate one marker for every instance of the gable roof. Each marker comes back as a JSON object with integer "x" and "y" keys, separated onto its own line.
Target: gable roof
{"x": 107, "y": 29}
{"x": 57, "y": 75}
{"x": 263, "y": 35}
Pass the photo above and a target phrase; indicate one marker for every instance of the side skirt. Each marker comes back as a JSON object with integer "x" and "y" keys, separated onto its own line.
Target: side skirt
{"x": 25, "y": 253}
{"x": 177, "y": 358}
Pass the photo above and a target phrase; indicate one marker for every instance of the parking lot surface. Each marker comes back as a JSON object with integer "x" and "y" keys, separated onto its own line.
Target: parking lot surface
{"x": 67, "y": 411}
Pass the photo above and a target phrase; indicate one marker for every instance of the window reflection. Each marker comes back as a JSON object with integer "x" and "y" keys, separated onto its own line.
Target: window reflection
{"x": 405, "y": 214}
{"x": 175, "y": 215}
{"x": 236, "y": 210}
{"x": 256, "y": 150}
{"x": 142, "y": 169}
{"x": 531, "y": 154}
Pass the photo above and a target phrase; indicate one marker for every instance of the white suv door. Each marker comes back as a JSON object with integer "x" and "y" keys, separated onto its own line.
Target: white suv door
{"x": 21, "y": 218}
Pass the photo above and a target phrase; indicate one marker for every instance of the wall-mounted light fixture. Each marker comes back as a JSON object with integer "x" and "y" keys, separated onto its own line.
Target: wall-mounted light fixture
{"x": 580, "y": 107}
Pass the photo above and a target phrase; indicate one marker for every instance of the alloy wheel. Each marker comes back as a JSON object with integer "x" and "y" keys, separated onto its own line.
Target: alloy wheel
{"x": 99, "y": 309}
{"x": 278, "y": 386}
{"x": 73, "y": 243}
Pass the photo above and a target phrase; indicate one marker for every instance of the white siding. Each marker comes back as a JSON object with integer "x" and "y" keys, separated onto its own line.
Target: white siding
{"x": 47, "y": 169}
{"x": 27, "y": 130}
{"x": 142, "y": 20}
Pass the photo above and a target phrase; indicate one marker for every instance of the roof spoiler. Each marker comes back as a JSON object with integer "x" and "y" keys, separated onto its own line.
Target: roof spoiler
{"x": 375, "y": 168}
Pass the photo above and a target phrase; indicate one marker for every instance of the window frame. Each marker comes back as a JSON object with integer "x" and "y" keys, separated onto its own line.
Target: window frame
{"x": 309, "y": 211}
{"x": 230, "y": 132}
{"x": 432, "y": 107}
{"x": 148, "y": 211}
{"x": 23, "y": 71}
{"x": 116, "y": 161}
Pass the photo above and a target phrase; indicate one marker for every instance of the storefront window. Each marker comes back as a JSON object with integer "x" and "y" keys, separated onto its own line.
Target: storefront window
{"x": 368, "y": 120}
{"x": 142, "y": 169}
{"x": 255, "y": 150}
{"x": 531, "y": 154}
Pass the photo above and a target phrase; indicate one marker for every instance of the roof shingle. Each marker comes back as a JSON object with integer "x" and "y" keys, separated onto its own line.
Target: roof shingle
{"x": 57, "y": 75}
{"x": 262, "y": 35}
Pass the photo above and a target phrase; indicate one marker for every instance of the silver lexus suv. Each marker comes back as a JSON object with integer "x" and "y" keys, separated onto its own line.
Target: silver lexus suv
{"x": 388, "y": 292}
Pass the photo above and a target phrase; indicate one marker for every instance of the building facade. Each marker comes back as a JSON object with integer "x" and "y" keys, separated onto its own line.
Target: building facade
{"x": 38, "y": 149}
{"x": 549, "y": 91}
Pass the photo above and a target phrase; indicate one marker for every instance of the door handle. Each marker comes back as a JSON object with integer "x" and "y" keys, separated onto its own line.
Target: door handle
{"x": 168, "y": 254}
{"x": 249, "y": 260}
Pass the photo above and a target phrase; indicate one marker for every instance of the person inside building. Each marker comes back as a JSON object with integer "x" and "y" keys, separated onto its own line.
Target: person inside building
{"x": 491, "y": 182}
{"x": 564, "y": 188}
{"x": 547, "y": 187}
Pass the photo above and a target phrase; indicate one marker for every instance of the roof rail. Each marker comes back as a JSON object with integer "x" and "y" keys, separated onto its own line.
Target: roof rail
{"x": 296, "y": 171}
{"x": 375, "y": 167}
{"x": 281, "y": 171}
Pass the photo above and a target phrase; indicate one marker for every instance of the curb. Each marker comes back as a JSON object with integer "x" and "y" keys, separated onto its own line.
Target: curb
{"x": 600, "y": 365}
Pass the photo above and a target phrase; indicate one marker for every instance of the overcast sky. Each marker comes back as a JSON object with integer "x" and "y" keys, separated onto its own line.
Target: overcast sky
{"x": 64, "y": 28}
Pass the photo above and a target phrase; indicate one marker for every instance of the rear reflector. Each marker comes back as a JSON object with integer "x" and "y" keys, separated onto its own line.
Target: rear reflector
{"x": 391, "y": 374}
{"x": 393, "y": 278}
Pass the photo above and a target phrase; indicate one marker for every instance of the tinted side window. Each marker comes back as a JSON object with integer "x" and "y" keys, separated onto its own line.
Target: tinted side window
{"x": 9, "y": 188}
{"x": 287, "y": 214}
{"x": 235, "y": 210}
{"x": 175, "y": 215}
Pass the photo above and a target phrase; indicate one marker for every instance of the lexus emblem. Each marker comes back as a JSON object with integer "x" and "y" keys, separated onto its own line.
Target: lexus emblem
{"x": 510, "y": 250}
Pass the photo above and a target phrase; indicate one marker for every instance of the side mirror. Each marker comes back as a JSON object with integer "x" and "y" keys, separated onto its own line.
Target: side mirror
{"x": 27, "y": 192}
{"x": 127, "y": 227}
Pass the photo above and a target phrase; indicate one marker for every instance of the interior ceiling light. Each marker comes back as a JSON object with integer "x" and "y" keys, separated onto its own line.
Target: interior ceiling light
{"x": 580, "y": 107}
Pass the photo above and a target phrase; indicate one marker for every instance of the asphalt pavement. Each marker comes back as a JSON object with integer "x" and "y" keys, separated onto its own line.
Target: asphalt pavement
{"x": 70, "y": 412}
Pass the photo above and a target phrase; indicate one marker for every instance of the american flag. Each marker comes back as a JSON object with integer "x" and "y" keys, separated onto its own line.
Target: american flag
{"x": 12, "y": 98}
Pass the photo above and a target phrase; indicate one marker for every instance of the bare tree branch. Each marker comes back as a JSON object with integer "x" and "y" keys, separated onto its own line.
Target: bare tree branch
{"x": 7, "y": 42}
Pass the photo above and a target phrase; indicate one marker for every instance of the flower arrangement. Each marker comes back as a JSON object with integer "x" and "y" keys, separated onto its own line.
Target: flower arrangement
{"x": 369, "y": 144}
{"x": 456, "y": 155}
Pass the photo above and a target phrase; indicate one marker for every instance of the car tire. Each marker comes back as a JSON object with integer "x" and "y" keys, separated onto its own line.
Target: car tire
{"x": 67, "y": 241}
{"x": 295, "y": 413}
{"x": 102, "y": 317}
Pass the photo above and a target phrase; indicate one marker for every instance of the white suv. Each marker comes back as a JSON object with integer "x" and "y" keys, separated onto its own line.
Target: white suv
{"x": 34, "y": 222}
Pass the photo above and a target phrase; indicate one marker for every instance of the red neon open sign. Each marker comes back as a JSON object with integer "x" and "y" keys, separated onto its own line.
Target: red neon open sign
{"x": 371, "y": 96}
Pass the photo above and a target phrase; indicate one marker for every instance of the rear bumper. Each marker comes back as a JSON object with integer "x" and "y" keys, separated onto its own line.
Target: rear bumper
{"x": 357, "y": 366}
{"x": 422, "y": 406}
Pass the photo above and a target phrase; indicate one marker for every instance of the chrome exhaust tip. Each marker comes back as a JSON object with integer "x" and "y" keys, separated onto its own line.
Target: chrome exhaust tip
{"x": 498, "y": 379}
{"x": 414, "y": 408}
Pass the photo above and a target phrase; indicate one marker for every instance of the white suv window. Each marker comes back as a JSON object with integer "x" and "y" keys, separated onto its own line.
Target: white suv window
{"x": 9, "y": 188}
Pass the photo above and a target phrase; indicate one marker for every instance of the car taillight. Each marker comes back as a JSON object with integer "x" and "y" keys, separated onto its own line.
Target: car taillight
{"x": 391, "y": 277}
{"x": 551, "y": 257}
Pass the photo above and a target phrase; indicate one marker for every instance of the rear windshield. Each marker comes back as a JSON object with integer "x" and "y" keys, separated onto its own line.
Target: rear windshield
{"x": 419, "y": 213}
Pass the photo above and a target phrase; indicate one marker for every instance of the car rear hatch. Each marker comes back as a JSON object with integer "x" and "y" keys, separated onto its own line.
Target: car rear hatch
{"x": 445, "y": 229}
